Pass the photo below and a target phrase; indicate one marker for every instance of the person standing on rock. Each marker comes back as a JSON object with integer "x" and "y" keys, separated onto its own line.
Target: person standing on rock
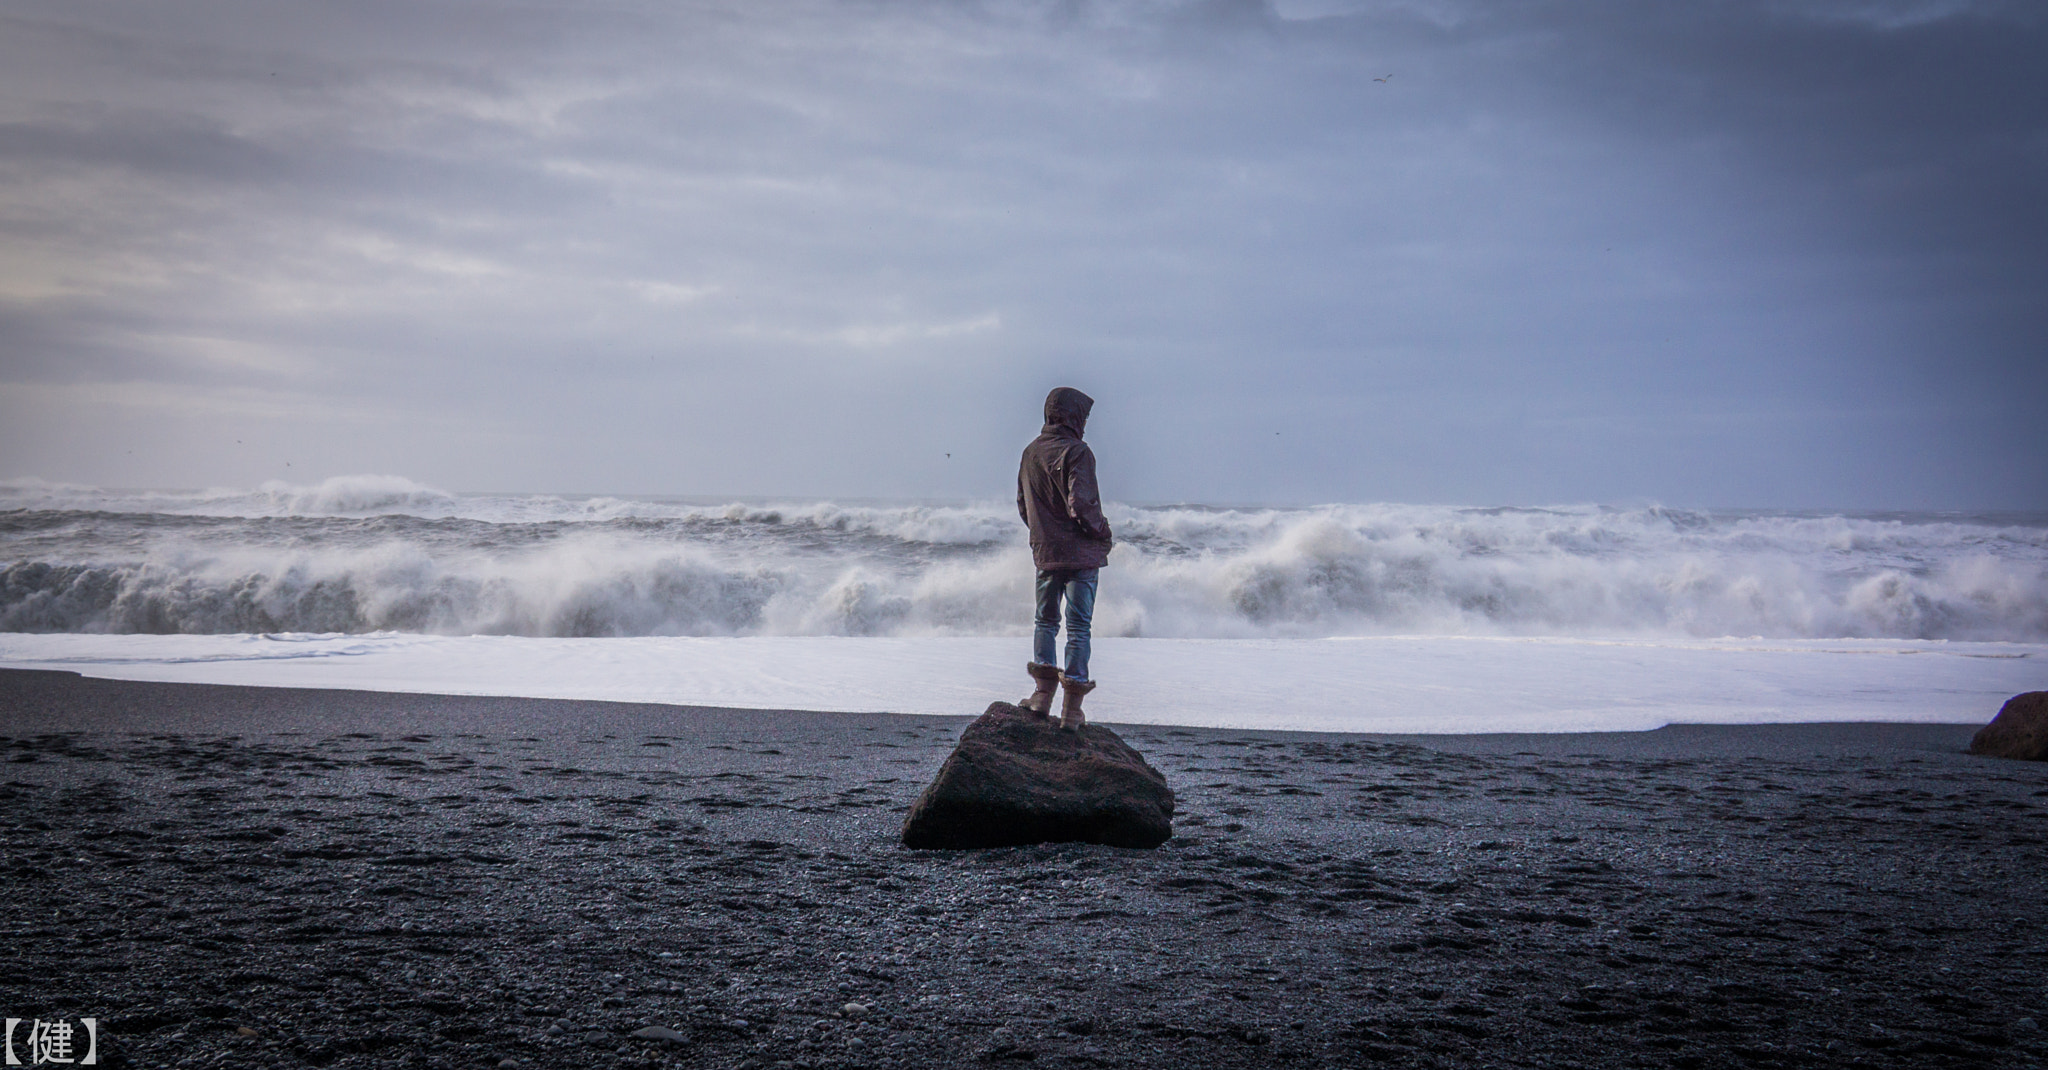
{"x": 1058, "y": 499}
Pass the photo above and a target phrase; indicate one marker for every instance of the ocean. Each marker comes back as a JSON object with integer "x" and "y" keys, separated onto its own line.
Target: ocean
{"x": 1369, "y": 617}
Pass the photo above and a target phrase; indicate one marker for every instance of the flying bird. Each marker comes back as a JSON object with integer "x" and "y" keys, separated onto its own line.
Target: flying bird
{"x": 1387, "y": 78}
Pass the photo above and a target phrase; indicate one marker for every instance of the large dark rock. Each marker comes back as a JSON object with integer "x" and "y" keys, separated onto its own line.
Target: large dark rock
{"x": 2019, "y": 731}
{"x": 1016, "y": 778}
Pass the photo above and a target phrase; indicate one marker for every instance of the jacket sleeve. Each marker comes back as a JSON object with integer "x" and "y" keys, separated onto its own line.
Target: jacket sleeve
{"x": 1021, "y": 514}
{"x": 1084, "y": 501}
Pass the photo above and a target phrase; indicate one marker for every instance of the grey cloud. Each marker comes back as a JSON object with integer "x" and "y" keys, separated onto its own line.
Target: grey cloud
{"x": 172, "y": 145}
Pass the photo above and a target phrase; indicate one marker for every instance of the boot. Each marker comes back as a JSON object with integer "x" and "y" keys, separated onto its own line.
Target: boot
{"x": 1046, "y": 678}
{"x": 1071, "y": 717}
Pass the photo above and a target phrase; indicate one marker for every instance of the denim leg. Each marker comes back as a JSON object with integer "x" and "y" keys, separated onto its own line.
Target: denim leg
{"x": 1080, "y": 620}
{"x": 1045, "y": 623}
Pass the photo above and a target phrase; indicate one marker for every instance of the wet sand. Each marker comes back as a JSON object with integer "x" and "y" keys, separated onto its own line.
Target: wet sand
{"x": 366, "y": 879}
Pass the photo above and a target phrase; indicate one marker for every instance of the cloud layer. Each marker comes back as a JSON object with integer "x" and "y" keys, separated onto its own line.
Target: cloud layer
{"x": 1727, "y": 253}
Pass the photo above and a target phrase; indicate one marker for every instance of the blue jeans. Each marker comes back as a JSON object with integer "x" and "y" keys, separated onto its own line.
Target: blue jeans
{"x": 1077, "y": 586}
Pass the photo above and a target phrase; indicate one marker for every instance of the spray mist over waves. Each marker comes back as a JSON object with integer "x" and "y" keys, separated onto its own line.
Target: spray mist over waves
{"x": 381, "y": 553}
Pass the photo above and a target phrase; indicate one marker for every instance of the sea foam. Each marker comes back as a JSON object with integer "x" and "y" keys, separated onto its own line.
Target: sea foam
{"x": 1429, "y": 684}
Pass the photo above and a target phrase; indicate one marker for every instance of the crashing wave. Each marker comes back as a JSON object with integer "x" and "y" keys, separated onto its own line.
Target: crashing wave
{"x": 366, "y": 553}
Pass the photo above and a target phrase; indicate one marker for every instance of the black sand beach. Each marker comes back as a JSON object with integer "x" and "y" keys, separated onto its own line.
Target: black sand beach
{"x": 248, "y": 877}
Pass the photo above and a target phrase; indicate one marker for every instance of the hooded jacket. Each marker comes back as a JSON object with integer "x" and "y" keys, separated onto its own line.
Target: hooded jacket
{"x": 1056, "y": 492}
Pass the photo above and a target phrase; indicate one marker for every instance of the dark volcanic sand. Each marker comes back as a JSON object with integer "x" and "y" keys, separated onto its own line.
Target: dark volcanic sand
{"x": 394, "y": 880}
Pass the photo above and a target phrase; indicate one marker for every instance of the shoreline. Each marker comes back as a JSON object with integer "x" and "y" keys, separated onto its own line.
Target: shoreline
{"x": 66, "y": 699}
{"x": 376, "y": 879}
{"x": 1387, "y": 684}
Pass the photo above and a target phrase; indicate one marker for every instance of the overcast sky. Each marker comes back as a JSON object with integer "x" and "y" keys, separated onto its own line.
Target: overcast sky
{"x": 1735, "y": 253}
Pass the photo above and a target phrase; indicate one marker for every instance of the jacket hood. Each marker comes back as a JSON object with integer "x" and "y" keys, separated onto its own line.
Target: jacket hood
{"x": 1067, "y": 407}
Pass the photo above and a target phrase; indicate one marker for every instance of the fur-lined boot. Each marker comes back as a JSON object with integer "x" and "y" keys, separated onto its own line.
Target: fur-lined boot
{"x": 1046, "y": 678}
{"x": 1071, "y": 717}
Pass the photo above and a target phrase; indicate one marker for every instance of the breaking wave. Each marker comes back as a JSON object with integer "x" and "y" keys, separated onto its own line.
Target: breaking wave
{"x": 382, "y": 553}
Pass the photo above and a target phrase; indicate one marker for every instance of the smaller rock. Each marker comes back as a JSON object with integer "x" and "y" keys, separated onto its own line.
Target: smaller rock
{"x": 507, "y": 1064}
{"x": 2026, "y": 1025}
{"x": 854, "y": 1010}
{"x": 2019, "y": 731}
{"x": 661, "y": 1032}
{"x": 243, "y": 1030}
